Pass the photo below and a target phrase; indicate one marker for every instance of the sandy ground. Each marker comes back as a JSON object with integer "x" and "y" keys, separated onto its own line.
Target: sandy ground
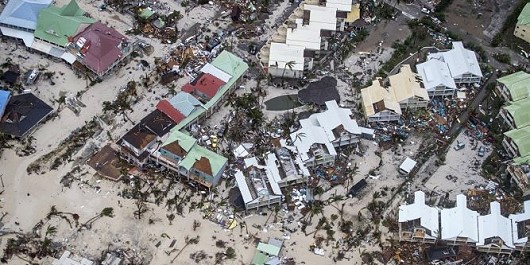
{"x": 28, "y": 198}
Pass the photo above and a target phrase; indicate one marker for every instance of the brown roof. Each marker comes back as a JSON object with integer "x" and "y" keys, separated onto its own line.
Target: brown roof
{"x": 379, "y": 106}
{"x": 107, "y": 163}
{"x": 176, "y": 149}
{"x": 203, "y": 165}
{"x": 139, "y": 136}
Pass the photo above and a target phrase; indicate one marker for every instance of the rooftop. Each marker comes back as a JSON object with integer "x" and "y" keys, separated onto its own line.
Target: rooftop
{"x": 520, "y": 233}
{"x": 185, "y": 141}
{"x": 419, "y": 210}
{"x": 521, "y": 137}
{"x": 459, "y": 60}
{"x": 303, "y": 36}
{"x": 22, "y": 113}
{"x": 435, "y": 73}
{"x": 520, "y": 111}
{"x": 376, "y": 98}
{"x": 524, "y": 17}
{"x": 459, "y": 221}
{"x": 158, "y": 122}
{"x": 165, "y": 107}
{"x": 341, "y": 5}
{"x": 283, "y": 55}
{"x": 100, "y": 46}
{"x": 4, "y": 100}
{"x": 494, "y": 225}
{"x": 23, "y": 13}
{"x": 205, "y": 83}
{"x": 203, "y": 160}
{"x": 185, "y": 103}
{"x": 518, "y": 84}
{"x": 322, "y": 17}
{"x": 139, "y": 136}
{"x": 56, "y": 24}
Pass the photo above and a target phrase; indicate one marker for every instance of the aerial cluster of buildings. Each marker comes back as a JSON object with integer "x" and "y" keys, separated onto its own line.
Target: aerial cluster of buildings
{"x": 66, "y": 33}
{"x": 161, "y": 138}
{"x": 492, "y": 233}
{"x": 515, "y": 90}
{"x": 442, "y": 75}
{"x": 303, "y": 40}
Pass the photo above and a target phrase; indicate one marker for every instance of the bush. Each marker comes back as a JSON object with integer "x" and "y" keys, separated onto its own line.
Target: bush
{"x": 502, "y": 58}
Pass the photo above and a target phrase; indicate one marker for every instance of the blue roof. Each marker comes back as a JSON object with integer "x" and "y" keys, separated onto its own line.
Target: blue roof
{"x": 23, "y": 13}
{"x": 4, "y": 99}
{"x": 185, "y": 103}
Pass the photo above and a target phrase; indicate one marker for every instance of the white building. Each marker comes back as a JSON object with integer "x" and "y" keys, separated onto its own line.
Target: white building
{"x": 321, "y": 133}
{"x": 286, "y": 60}
{"x": 418, "y": 222}
{"x": 459, "y": 225}
{"x": 462, "y": 63}
{"x": 436, "y": 78}
{"x": 258, "y": 184}
{"x": 495, "y": 231}
{"x": 521, "y": 228}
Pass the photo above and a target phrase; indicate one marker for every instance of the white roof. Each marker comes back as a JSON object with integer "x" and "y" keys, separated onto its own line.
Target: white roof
{"x": 304, "y": 36}
{"x": 281, "y": 53}
{"x": 210, "y": 69}
{"x": 435, "y": 73}
{"x": 308, "y": 135}
{"x": 333, "y": 117}
{"x": 273, "y": 174}
{"x": 240, "y": 151}
{"x": 27, "y": 37}
{"x": 243, "y": 187}
{"x": 23, "y": 13}
{"x": 407, "y": 165}
{"x": 495, "y": 225}
{"x": 342, "y": 5}
{"x": 419, "y": 210}
{"x": 459, "y": 221}
{"x": 322, "y": 17}
{"x": 520, "y": 217}
{"x": 459, "y": 60}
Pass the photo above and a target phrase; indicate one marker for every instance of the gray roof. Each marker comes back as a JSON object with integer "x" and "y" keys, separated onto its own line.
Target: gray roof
{"x": 23, "y": 13}
{"x": 185, "y": 103}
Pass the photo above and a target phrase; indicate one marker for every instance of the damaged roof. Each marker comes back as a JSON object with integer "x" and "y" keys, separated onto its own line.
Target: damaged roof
{"x": 23, "y": 113}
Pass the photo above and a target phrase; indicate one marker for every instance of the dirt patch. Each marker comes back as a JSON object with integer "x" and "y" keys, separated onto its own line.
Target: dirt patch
{"x": 388, "y": 31}
{"x": 469, "y": 17}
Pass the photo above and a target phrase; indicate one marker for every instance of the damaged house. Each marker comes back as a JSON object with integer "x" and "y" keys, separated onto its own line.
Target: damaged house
{"x": 258, "y": 184}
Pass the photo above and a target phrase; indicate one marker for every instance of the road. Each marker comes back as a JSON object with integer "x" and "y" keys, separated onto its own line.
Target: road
{"x": 462, "y": 119}
{"x": 411, "y": 11}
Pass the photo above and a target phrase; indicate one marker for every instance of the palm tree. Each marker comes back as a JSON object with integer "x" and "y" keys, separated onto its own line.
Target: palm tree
{"x": 299, "y": 136}
{"x": 108, "y": 211}
{"x": 290, "y": 65}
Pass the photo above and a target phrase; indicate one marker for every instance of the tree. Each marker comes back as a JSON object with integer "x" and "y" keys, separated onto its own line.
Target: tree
{"x": 108, "y": 212}
{"x": 230, "y": 253}
{"x": 290, "y": 65}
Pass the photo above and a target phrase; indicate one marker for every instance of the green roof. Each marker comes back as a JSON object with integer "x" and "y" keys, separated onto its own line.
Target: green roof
{"x": 217, "y": 161}
{"x": 146, "y": 13}
{"x": 521, "y": 137}
{"x": 232, "y": 65}
{"x": 185, "y": 141}
{"x": 56, "y": 24}
{"x": 520, "y": 111}
{"x": 518, "y": 84}
{"x": 524, "y": 17}
{"x": 259, "y": 259}
{"x": 228, "y": 63}
{"x": 522, "y": 160}
{"x": 269, "y": 249}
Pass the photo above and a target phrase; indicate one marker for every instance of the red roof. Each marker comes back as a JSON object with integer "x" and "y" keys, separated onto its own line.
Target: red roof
{"x": 205, "y": 83}
{"x": 102, "y": 46}
{"x": 166, "y": 107}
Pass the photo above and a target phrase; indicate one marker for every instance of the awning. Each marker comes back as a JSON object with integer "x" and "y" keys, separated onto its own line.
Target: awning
{"x": 27, "y": 37}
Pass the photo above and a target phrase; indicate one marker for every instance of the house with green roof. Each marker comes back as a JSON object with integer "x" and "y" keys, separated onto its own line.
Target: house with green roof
{"x": 230, "y": 69}
{"x": 55, "y": 25}
{"x": 517, "y": 142}
{"x": 519, "y": 171}
{"x": 517, "y": 114}
{"x": 203, "y": 166}
{"x": 522, "y": 28}
{"x": 181, "y": 153}
{"x": 514, "y": 87}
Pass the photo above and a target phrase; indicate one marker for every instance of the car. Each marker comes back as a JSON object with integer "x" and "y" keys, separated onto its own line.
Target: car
{"x": 481, "y": 151}
{"x": 459, "y": 146}
{"x": 214, "y": 141}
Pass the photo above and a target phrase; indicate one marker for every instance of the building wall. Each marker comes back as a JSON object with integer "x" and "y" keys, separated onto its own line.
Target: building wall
{"x": 522, "y": 32}
{"x": 413, "y": 103}
{"x": 508, "y": 119}
{"x": 467, "y": 79}
{"x": 510, "y": 147}
{"x": 384, "y": 116}
{"x": 441, "y": 91}
{"x": 504, "y": 92}
{"x": 279, "y": 72}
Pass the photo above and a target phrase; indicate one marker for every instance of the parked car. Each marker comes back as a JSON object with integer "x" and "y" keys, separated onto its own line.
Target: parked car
{"x": 459, "y": 146}
{"x": 481, "y": 151}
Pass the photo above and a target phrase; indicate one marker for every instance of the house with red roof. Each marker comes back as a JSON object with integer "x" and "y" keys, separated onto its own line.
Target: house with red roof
{"x": 100, "y": 48}
{"x": 204, "y": 86}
